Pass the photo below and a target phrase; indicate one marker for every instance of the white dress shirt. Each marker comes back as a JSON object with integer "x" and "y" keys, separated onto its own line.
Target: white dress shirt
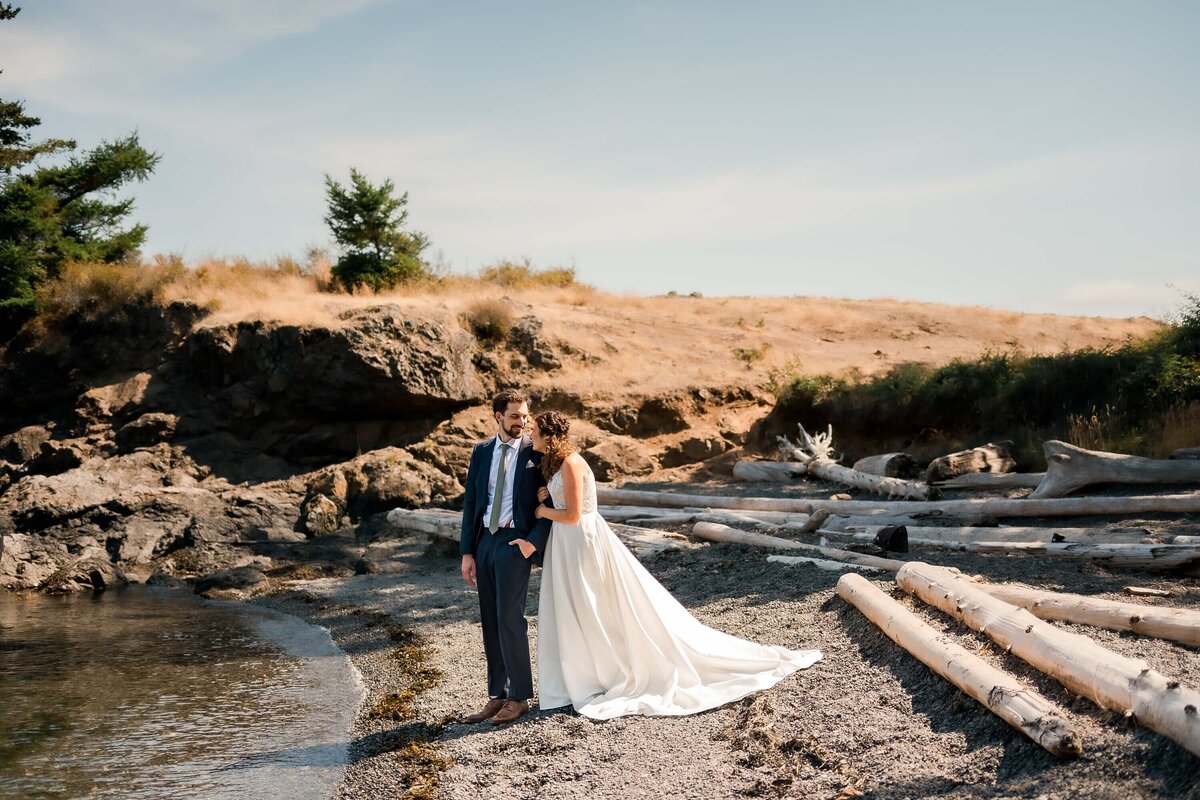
{"x": 509, "y": 451}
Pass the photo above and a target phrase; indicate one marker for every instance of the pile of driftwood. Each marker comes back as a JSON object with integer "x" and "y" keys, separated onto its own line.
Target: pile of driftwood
{"x": 1068, "y": 468}
{"x": 1012, "y": 617}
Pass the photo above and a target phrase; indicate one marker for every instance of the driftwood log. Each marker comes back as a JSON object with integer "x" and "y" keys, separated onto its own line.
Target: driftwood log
{"x": 1185, "y": 452}
{"x": 991, "y": 457}
{"x": 816, "y": 453}
{"x": 1111, "y": 680}
{"x": 1015, "y": 541}
{"x": 889, "y": 465}
{"x": 993, "y": 480}
{"x": 775, "y": 471}
{"x": 1148, "y": 557}
{"x": 1176, "y": 624}
{"x": 714, "y": 532}
{"x": 995, "y": 507}
{"x": 956, "y": 536}
{"x": 1142, "y": 591}
{"x": 1069, "y": 468}
{"x": 448, "y": 525}
{"x": 820, "y": 563}
{"x": 842, "y": 522}
{"x": 1020, "y": 706}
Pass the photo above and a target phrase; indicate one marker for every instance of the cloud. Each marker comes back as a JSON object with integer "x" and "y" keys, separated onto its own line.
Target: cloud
{"x": 91, "y": 56}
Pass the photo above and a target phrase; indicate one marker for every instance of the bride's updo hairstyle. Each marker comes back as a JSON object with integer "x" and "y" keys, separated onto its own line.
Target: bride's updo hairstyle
{"x": 556, "y": 429}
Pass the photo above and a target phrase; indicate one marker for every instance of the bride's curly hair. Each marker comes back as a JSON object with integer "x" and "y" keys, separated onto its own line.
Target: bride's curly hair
{"x": 556, "y": 429}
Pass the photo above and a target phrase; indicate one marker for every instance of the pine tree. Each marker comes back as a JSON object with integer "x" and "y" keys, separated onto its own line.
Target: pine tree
{"x": 367, "y": 223}
{"x": 50, "y": 215}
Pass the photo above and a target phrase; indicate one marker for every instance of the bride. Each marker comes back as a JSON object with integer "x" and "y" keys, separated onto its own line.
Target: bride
{"x": 611, "y": 640}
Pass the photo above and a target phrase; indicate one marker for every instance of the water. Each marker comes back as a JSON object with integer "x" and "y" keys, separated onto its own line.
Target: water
{"x": 144, "y": 693}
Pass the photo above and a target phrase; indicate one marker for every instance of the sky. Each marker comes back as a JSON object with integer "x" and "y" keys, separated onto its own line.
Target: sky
{"x": 1037, "y": 156}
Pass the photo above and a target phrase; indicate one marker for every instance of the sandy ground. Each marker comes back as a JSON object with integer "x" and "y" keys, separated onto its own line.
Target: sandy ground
{"x": 868, "y": 718}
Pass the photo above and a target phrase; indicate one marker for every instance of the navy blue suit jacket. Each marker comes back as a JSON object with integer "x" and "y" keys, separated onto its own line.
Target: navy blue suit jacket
{"x": 525, "y": 488}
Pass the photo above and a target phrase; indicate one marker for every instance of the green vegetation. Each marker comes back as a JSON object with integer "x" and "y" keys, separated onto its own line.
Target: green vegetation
{"x": 51, "y": 216}
{"x": 1142, "y": 397}
{"x": 367, "y": 223}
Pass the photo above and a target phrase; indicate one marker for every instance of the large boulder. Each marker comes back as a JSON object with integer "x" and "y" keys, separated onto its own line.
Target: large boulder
{"x": 232, "y": 583}
{"x": 618, "y": 458}
{"x": 694, "y": 449}
{"x": 88, "y": 574}
{"x": 526, "y": 338}
{"x": 24, "y": 444}
{"x": 146, "y": 430}
{"x": 381, "y": 362}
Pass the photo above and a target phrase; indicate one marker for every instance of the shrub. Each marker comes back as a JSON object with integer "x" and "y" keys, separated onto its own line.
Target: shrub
{"x": 512, "y": 275}
{"x": 490, "y": 320}
{"x": 92, "y": 291}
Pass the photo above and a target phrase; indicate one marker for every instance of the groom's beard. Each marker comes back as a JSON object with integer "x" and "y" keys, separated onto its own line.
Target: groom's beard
{"x": 515, "y": 431}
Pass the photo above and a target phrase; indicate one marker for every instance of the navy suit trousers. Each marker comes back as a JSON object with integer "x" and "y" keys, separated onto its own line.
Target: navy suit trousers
{"x": 502, "y": 575}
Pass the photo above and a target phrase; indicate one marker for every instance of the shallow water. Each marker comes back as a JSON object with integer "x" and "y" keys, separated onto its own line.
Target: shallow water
{"x": 143, "y": 693}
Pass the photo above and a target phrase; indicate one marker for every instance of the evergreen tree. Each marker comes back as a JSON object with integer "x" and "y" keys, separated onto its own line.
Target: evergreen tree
{"x": 50, "y": 215}
{"x": 367, "y": 224}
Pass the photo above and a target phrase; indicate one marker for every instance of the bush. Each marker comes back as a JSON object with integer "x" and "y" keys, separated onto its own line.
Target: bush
{"x": 1132, "y": 398}
{"x": 93, "y": 291}
{"x": 518, "y": 276}
{"x": 489, "y": 320}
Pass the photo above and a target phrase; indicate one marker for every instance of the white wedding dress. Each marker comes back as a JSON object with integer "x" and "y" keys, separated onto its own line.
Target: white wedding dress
{"x": 612, "y": 641}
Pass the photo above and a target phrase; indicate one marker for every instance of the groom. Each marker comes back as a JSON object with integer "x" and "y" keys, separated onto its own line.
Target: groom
{"x": 500, "y": 538}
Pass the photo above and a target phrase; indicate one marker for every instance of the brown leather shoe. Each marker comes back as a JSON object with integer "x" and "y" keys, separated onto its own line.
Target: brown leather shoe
{"x": 490, "y": 710}
{"x": 511, "y": 711}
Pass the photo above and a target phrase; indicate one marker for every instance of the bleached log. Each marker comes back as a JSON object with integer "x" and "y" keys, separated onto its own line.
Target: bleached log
{"x": 840, "y": 522}
{"x": 821, "y": 464}
{"x": 813, "y": 523}
{"x": 991, "y": 457}
{"x": 993, "y": 480}
{"x": 889, "y": 487}
{"x": 1142, "y": 591}
{"x": 1069, "y": 468}
{"x": 1176, "y": 624}
{"x": 664, "y": 519}
{"x": 1185, "y": 452}
{"x": 821, "y": 563}
{"x": 1001, "y": 693}
{"x": 448, "y": 525}
{"x": 1148, "y": 557}
{"x": 889, "y": 465}
{"x": 647, "y": 541}
{"x": 714, "y": 532}
{"x": 1100, "y": 553}
{"x": 919, "y": 534}
{"x": 993, "y": 506}
{"x": 775, "y": 471}
{"x": 1111, "y": 680}
{"x": 667, "y": 516}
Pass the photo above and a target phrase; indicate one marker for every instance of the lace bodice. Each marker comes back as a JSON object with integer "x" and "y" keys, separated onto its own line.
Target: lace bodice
{"x": 558, "y": 491}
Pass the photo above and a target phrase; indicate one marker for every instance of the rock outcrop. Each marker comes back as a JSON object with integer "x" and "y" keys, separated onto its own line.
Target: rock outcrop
{"x": 158, "y": 445}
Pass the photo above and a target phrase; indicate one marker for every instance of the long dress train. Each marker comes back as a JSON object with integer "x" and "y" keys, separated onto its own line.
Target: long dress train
{"x": 612, "y": 641}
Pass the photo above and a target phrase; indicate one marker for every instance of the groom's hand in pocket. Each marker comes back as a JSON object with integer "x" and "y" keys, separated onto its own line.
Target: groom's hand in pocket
{"x": 525, "y": 546}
